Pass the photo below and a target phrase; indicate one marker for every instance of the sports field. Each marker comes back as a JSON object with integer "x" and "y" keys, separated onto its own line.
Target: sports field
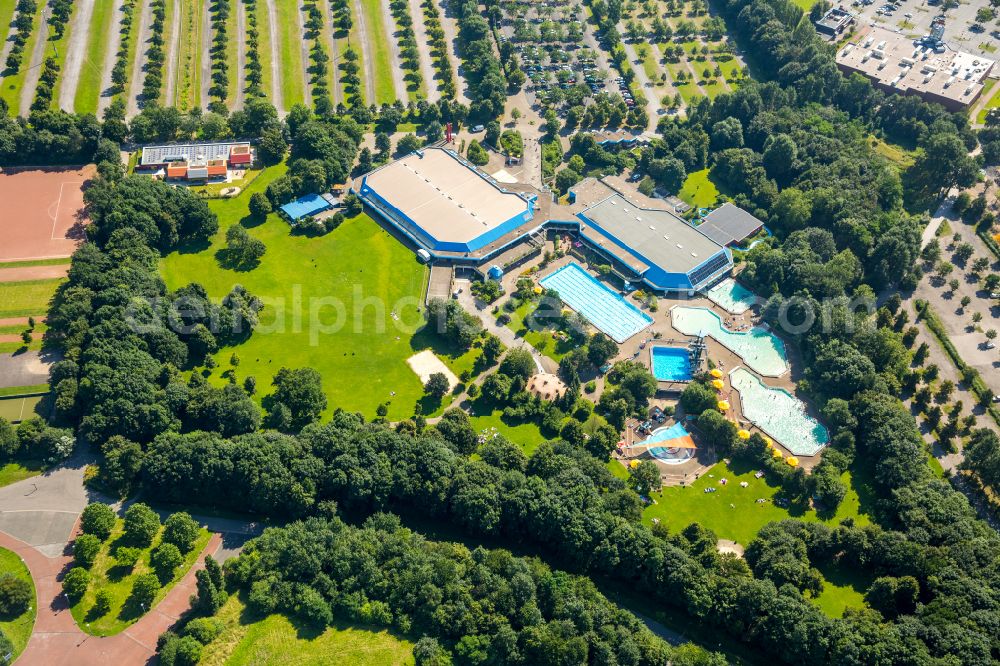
{"x": 16, "y": 408}
{"x": 43, "y": 211}
{"x": 345, "y": 304}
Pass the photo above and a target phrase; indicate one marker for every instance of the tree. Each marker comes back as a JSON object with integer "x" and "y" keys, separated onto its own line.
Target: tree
{"x": 165, "y": 559}
{"x": 437, "y": 385}
{"x": 75, "y": 582}
{"x": 260, "y": 206}
{"x": 601, "y": 349}
{"x": 141, "y": 525}
{"x": 98, "y": 519}
{"x": 16, "y": 595}
{"x": 144, "y": 589}
{"x": 645, "y": 477}
{"x": 477, "y": 154}
{"x": 492, "y": 349}
{"x": 127, "y": 556}
{"x": 427, "y": 652}
{"x": 518, "y": 363}
{"x": 85, "y": 549}
{"x": 181, "y": 530}
{"x": 243, "y": 250}
{"x": 300, "y": 391}
{"x": 566, "y": 178}
{"x": 409, "y": 143}
{"x": 102, "y": 603}
{"x": 272, "y": 146}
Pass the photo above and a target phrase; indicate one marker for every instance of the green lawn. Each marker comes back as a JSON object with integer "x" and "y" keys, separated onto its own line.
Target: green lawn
{"x": 290, "y": 52}
{"x": 106, "y": 574}
{"x": 133, "y": 46}
{"x": 31, "y": 297}
{"x": 385, "y": 92}
{"x": 699, "y": 190}
{"x": 16, "y": 408}
{"x": 733, "y": 513}
{"x": 358, "y": 268}
{"x": 13, "y": 472}
{"x": 17, "y": 629}
{"x": 281, "y": 641}
{"x": 88, "y": 89}
{"x": 897, "y": 154}
{"x": 687, "y": 89}
{"x": 58, "y": 48}
{"x": 992, "y": 104}
{"x": 187, "y": 90}
{"x": 265, "y": 50}
{"x": 232, "y": 46}
{"x": 11, "y": 92}
{"x": 842, "y": 588}
{"x": 544, "y": 340}
{"x": 354, "y": 39}
{"x": 55, "y": 261}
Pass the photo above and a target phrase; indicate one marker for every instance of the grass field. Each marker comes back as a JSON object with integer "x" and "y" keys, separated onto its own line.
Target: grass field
{"x": 699, "y": 190}
{"x": 106, "y": 574}
{"x": 385, "y": 92}
{"x": 266, "y": 49}
{"x": 58, "y": 49}
{"x": 88, "y": 89}
{"x": 17, "y": 408}
{"x": 187, "y": 91}
{"x": 842, "y": 588}
{"x": 17, "y": 629}
{"x": 13, "y": 472}
{"x": 280, "y": 641}
{"x": 992, "y": 104}
{"x": 354, "y": 270}
{"x": 11, "y": 92}
{"x": 544, "y": 340}
{"x": 290, "y": 51}
{"x": 23, "y": 299}
{"x": 898, "y": 155}
{"x": 733, "y": 513}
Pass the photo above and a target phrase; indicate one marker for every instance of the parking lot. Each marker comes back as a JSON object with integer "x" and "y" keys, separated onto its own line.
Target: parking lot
{"x": 913, "y": 18}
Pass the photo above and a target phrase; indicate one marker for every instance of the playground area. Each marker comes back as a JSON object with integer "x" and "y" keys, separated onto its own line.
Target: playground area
{"x": 43, "y": 211}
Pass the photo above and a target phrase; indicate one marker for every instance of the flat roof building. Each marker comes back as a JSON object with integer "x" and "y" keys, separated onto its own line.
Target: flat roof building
{"x": 309, "y": 204}
{"x": 154, "y": 157}
{"x": 895, "y": 63}
{"x": 729, "y": 224}
{"x": 834, "y": 22}
{"x": 665, "y": 251}
{"x": 445, "y": 203}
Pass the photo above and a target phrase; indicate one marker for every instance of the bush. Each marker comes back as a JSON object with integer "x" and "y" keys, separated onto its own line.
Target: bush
{"x": 141, "y": 524}
{"x": 102, "y": 603}
{"x": 165, "y": 560}
{"x": 126, "y": 556}
{"x": 85, "y": 550}
{"x": 174, "y": 651}
{"x": 75, "y": 582}
{"x": 181, "y": 530}
{"x": 204, "y": 629}
{"x": 98, "y": 519}
{"x": 15, "y": 596}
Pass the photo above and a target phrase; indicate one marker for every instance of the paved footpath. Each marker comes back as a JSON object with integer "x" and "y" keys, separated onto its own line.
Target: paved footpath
{"x": 57, "y": 640}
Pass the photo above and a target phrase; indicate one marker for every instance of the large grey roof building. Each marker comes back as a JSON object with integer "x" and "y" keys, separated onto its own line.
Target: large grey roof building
{"x": 729, "y": 224}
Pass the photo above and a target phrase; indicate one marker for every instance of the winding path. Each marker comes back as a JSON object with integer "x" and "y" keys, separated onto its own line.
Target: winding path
{"x": 395, "y": 61}
{"x": 172, "y": 55}
{"x": 110, "y": 57}
{"x": 272, "y": 26}
{"x": 424, "y": 46}
{"x": 206, "y": 53}
{"x": 79, "y": 32}
{"x": 241, "y": 54}
{"x": 141, "y": 56}
{"x": 366, "y": 55}
{"x": 34, "y": 65}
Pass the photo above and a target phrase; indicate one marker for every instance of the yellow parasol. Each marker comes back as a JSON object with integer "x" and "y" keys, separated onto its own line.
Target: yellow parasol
{"x": 633, "y": 463}
{"x": 723, "y": 405}
{"x": 715, "y": 372}
{"x": 718, "y": 384}
{"x": 537, "y": 289}
{"x": 775, "y": 453}
{"x": 792, "y": 461}
{"x": 768, "y": 441}
{"x": 743, "y": 434}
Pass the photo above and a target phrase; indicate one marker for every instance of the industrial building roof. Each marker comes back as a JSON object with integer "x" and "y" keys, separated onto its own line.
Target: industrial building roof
{"x": 898, "y": 63}
{"x": 447, "y": 198}
{"x": 658, "y": 236}
{"x": 729, "y": 224}
{"x": 187, "y": 152}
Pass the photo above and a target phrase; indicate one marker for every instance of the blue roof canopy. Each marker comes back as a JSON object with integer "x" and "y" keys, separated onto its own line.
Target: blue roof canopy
{"x": 309, "y": 204}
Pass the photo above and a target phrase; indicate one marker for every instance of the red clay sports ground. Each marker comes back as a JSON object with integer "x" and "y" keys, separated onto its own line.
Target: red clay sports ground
{"x": 41, "y": 212}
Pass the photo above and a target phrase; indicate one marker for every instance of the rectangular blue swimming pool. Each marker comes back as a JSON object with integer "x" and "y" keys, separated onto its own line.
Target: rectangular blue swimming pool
{"x": 598, "y": 304}
{"x": 671, "y": 364}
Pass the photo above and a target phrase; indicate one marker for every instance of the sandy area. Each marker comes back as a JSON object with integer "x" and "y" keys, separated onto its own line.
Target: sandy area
{"x": 426, "y": 364}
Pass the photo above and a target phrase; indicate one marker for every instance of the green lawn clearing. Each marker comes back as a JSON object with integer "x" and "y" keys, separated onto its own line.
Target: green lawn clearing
{"x": 898, "y": 155}
{"x": 290, "y": 52}
{"x": 487, "y": 421}
{"x": 280, "y": 641}
{"x": 349, "y": 282}
{"x": 13, "y": 472}
{"x": 699, "y": 190}
{"x": 733, "y": 513}
{"x": 11, "y": 92}
{"x": 385, "y": 92}
{"x": 992, "y": 104}
{"x": 88, "y": 89}
{"x": 28, "y": 298}
{"x": 843, "y": 588}
{"x": 545, "y": 340}
{"x": 17, "y": 629}
{"x": 106, "y": 574}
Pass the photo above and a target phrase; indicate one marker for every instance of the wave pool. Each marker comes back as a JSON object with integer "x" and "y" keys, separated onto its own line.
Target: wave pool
{"x": 760, "y": 349}
{"x": 780, "y": 414}
{"x": 731, "y": 296}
